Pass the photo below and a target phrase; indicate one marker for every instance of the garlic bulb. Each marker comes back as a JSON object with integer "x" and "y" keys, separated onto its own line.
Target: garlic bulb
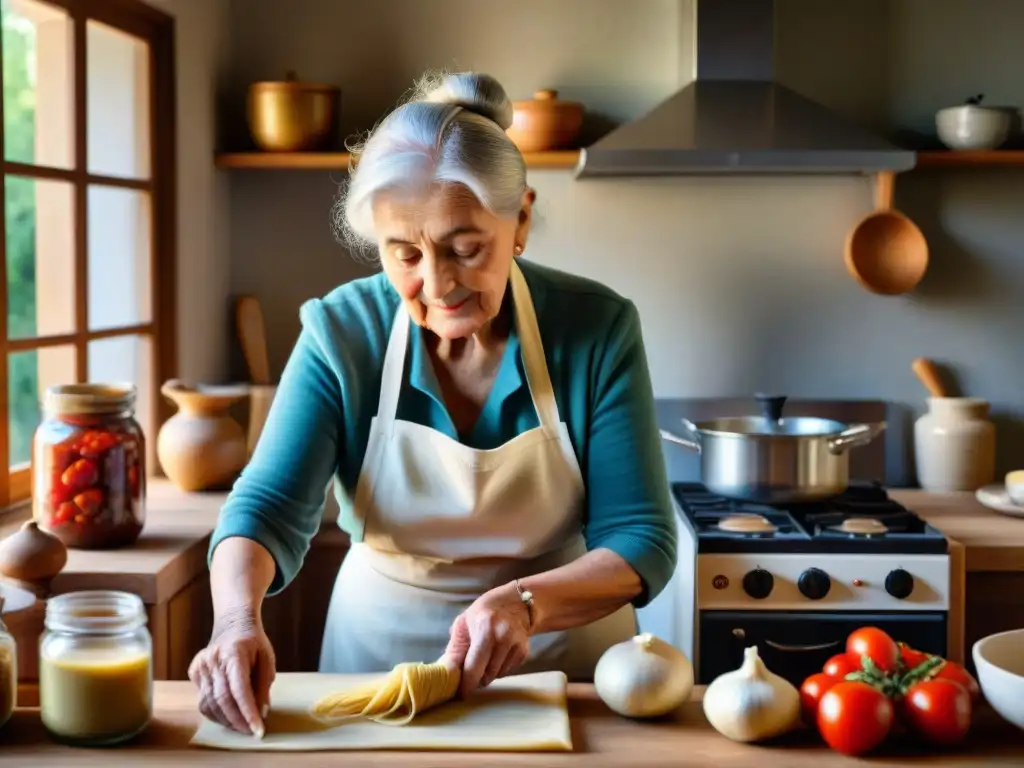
{"x": 752, "y": 703}
{"x": 643, "y": 677}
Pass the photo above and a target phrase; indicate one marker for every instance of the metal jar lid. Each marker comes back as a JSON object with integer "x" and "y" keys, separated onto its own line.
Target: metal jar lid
{"x": 89, "y": 399}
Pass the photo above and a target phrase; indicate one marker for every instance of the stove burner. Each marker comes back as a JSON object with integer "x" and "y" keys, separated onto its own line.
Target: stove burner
{"x": 861, "y": 526}
{"x": 862, "y": 519}
{"x": 746, "y": 523}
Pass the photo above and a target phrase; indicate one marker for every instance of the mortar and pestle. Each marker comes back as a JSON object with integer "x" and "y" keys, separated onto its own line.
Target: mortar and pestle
{"x": 954, "y": 441}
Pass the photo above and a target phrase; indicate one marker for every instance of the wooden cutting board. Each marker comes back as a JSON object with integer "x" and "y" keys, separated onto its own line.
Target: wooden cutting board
{"x": 521, "y": 713}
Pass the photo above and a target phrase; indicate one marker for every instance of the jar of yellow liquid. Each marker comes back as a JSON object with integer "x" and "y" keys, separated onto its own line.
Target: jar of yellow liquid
{"x": 95, "y": 668}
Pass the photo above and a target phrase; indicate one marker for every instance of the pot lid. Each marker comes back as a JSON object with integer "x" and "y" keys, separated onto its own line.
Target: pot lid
{"x": 771, "y": 422}
{"x": 758, "y": 426}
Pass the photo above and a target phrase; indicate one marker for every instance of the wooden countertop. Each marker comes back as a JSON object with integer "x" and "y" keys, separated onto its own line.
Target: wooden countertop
{"x": 599, "y": 736}
{"x": 992, "y": 541}
{"x": 171, "y": 551}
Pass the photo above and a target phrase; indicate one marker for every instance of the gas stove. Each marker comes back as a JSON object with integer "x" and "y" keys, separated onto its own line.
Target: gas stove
{"x": 863, "y": 519}
{"x": 796, "y": 579}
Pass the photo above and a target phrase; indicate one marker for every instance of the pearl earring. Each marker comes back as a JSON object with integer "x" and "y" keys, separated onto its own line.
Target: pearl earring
{"x": 518, "y": 249}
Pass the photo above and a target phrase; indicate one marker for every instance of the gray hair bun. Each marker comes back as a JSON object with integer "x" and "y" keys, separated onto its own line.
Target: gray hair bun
{"x": 472, "y": 91}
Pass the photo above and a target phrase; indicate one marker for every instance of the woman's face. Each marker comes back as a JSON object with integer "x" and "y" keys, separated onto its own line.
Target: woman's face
{"x": 447, "y": 256}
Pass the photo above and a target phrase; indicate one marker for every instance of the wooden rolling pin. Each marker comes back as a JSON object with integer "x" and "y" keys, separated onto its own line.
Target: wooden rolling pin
{"x": 928, "y": 374}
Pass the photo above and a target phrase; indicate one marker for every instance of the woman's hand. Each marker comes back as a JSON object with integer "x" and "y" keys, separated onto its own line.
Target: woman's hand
{"x": 490, "y": 638}
{"x": 234, "y": 673}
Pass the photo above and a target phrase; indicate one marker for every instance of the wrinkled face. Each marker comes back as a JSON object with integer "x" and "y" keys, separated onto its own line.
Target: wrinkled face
{"x": 447, "y": 256}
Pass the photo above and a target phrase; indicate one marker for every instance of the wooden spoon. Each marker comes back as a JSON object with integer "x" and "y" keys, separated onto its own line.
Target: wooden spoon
{"x": 928, "y": 374}
{"x": 251, "y": 334}
{"x": 886, "y": 252}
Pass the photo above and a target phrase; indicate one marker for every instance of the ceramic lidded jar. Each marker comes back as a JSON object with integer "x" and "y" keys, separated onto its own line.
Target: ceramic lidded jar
{"x": 545, "y": 123}
{"x": 202, "y": 447}
{"x": 955, "y": 444}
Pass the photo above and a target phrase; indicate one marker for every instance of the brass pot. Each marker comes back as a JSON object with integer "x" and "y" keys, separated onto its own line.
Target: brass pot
{"x": 545, "y": 123}
{"x": 292, "y": 116}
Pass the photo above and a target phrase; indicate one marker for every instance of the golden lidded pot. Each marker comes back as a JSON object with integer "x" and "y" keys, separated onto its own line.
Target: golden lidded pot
{"x": 292, "y": 116}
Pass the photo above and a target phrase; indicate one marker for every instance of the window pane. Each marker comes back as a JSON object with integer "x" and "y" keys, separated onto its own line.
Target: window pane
{"x": 118, "y": 95}
{"x": 30, "y": 374}
{"x": 119, "y": 257}
{"x": 126, "y": 358}
{"x": 40, "y": 259}
{"x": 38, "y": 84}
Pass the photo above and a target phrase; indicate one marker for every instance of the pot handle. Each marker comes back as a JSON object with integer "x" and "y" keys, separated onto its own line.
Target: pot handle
{"x": 672, "y": 438}
{"x": 854, "y": 437}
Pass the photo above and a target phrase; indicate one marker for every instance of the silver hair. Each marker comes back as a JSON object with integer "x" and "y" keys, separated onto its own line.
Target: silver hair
{"x": 451, "y": 128}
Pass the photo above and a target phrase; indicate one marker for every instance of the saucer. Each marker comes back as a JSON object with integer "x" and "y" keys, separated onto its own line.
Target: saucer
{"x": 995, "y": 497}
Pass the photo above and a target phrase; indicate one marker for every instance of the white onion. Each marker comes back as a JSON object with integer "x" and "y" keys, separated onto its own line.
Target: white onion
{"x": 643, "y": 677}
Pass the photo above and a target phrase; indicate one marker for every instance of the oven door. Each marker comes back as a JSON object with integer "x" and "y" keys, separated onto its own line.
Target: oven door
{"x": 795, "y": 645}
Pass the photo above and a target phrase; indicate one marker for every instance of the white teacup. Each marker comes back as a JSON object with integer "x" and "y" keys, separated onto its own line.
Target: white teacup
{"x": 1015, "y": 486}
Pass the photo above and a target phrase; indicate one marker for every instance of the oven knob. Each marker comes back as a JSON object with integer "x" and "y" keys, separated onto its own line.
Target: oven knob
{"x": 899, "y": 584}
{"x": 758, "y": 583}
{"x": 814, "y": 584}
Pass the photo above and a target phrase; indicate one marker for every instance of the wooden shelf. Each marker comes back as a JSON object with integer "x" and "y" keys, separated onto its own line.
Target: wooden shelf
{"x": 283, "y": 161}
{"x": 970, "y": 159}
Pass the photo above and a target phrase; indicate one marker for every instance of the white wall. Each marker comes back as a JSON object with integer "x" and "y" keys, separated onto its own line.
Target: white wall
{"x": 202, "y": 28}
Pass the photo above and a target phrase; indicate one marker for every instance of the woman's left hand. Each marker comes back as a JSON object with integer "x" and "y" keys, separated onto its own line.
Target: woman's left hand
{"x": 490, "y": 638}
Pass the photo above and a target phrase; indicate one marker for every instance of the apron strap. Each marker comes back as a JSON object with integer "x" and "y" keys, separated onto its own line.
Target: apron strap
{"x": 394, "y": 366}
{"x": 537, "y": 377}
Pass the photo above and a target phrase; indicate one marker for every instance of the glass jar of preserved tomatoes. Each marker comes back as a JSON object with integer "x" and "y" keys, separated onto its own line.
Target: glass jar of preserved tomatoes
{"x": 88, "y": 464}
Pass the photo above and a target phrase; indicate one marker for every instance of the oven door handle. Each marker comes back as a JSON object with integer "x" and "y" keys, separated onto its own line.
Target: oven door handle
{"x": 821, "y": 647}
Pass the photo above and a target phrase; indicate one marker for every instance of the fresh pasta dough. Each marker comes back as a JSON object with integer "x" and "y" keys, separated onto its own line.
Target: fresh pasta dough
{"x": 395, "y": 699}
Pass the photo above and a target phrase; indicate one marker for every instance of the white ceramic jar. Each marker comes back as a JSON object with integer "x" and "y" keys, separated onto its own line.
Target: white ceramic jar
{"x": 955, "y": 445}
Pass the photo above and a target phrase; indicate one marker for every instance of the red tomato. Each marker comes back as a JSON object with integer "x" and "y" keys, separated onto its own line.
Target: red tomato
{"x": 65, "y": 513}
{"x": 854, "y": 717}
{"x": 950, "y": 670}
{"x": 89, "y": 501}
{"x": 81, "y": 474}
{"x": 911, "y": 657}
{"x": 876, "y": 645}
{"x": 813, "y": 688}
{"x": 938, "y": 710}
{"x": 840, "y": 665}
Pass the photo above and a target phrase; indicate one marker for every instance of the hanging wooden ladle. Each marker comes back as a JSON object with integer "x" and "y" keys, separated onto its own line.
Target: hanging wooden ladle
{"x": 886, "y": 252}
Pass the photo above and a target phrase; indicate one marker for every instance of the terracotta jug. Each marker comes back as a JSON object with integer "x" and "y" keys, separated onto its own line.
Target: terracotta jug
{"x": 201, "y": 447}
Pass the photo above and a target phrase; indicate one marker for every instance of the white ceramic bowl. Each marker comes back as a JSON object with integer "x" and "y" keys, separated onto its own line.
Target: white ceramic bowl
{"x": 1015, "y": 486}
{"x": 999, "y": 660}
{"x": 969, "y": 126}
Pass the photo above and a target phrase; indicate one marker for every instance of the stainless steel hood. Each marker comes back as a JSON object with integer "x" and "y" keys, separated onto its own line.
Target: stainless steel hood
{"x": 734, "y": 118}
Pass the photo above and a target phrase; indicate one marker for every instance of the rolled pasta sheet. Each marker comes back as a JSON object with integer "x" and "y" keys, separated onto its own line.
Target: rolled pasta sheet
{"x": 395, "y": 699}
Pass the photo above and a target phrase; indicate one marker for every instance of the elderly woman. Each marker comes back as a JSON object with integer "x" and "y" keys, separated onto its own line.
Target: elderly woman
{"x": 488, "y": 424}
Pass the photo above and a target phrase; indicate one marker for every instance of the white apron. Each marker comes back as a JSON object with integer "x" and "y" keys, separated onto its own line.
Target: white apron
{"x": 444, "y": 523}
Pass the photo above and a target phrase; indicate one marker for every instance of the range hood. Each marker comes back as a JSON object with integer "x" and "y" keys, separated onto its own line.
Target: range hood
{"x": 734, "y": 117}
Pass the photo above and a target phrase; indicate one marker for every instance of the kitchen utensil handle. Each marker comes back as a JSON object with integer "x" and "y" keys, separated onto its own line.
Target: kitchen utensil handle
{"x": 689, "y": 444}
{"x": 855, "y": 436}
{"x": 801, "y": 648}
{"x": 252, "y": 335}
{"x": 928, "y": 374}
{"x": 771, "y": 406}
{"x": 885, "y": 184}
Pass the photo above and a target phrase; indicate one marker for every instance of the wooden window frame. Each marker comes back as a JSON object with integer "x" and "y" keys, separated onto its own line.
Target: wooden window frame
{"x": 157, "y": 30}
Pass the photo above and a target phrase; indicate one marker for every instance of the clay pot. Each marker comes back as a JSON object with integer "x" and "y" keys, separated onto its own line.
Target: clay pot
{"x": 202, "y": 447}
{"x": 545, "y": 123}
{"x": 30, "y": 558}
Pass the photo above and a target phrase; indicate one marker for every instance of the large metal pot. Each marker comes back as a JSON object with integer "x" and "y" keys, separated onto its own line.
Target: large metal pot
{"x": 772, "y": 459}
